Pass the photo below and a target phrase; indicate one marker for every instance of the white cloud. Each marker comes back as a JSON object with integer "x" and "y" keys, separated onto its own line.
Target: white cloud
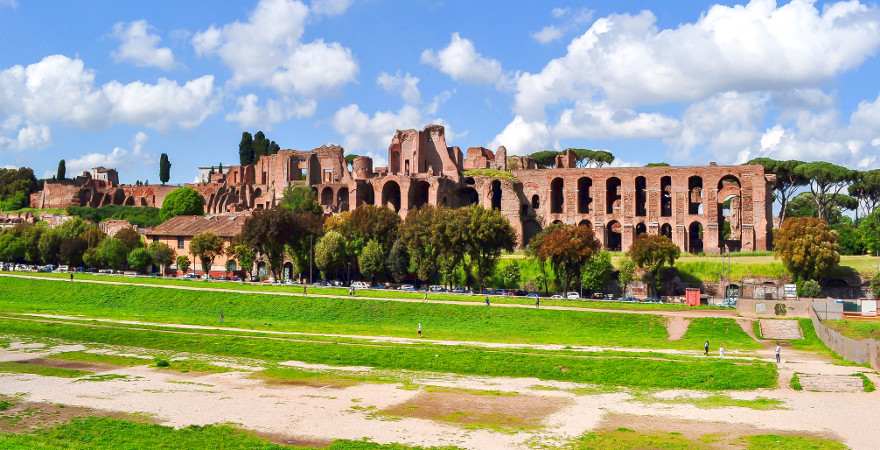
{"x": 589, "y": 120}
{"x": 438, "y": 100}
{"x": 548, "y": 34}
{"x": 461, "y": 61}
{"x": 251, "y": 115}
{"x": 123, "y": 160}
{"x": 758, "y": 46}
{"x": 522, "y": 137}
{"x": 363, "y": 132}
{"x": 61, "y": 89}
{"x": 140, "y": 47}
{"x": 9, "y": 4}
{"x": 726, "y": 123}
{"x": 330, "y": 7}
{"x": 406, "y": 85}
{"x": 28, "y": 137}
{"x": 266, "y": 50}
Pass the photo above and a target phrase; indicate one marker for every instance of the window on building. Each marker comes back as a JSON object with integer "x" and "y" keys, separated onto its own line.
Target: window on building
{"x": 180, "y": 243}
{"x": 155, "y": 238}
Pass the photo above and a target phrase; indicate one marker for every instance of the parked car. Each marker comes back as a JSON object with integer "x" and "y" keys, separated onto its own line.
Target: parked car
{"x": 459, "y": 290}
{"x": 556, "y": 297}
{"x": 360, "y": 285}
{"x": 407, "y": 287}
{"x": 533, "y": 296}
{"x": 437, "y": 288}
{"x": 572, "y": 296}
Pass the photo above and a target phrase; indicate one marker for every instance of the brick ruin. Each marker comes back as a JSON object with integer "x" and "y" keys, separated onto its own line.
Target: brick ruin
{"x": 96, "y": 188}
{"x": 694, "y": 206}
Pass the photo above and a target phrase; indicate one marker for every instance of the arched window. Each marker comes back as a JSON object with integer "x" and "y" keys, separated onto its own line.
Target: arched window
{"x": 584, "y": 200}
{"x": 557, "y": 198}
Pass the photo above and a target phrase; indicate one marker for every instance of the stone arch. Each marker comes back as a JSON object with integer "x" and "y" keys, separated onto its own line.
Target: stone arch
{"x": 468, "y": 196}
{"x": 557, "y": 197}
{"x": 391, "y": 195}
{"x": 585, "y": 223}
{"x": 584, "y": 199}
{"x": 666, "y": 230}
{"x": 418, "y": 193}
{"x": 118, "y": 197}
{"x": 496, "y": 194}
{"x": 536, "y": 202}
{"x": 342, "y": 199}
{"x": 368, "y": 197}
{"x": 641, "y": 229}
{"x": 613, "y": 236}
{"x": 129, "y": 201}
{"x": 695, "y": 237}
{"x": 641, "y": 186}
{"x": 556, "y": 222}
{"x": 695, "y": 195}
{"x": 666, "y": 196}
{"x": 612, "y": 195}
{"x": 326, "y": 196}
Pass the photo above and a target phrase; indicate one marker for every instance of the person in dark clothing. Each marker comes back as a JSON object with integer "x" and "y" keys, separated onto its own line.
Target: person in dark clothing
{"x": 487, "y": 300}
{"x": 706, "y": 348}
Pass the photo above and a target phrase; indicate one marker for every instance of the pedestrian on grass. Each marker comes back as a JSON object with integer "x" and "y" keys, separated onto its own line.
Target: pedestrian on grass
{"x": 71, "y": 276}
{"x": 721, "y": 351}
{"x": 778, "y": 354}
{"x": 350, "y": 291}
{"x": 221, "y": 316}
{"x": 537, "y": 302}
{"x": 305, "y": 289}
{"x": 420, "y": 329}
{"x": 706, "y": 348}
{"x": 487, "y": 301}
{"x": 426, "y": 295}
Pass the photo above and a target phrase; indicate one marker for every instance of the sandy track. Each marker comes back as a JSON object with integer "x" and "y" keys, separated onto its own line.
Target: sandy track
{"x": 690, "y": 314}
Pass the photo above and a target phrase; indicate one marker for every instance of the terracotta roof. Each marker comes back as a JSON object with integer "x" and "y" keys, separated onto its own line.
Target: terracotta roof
{"x": 223, "y": 225}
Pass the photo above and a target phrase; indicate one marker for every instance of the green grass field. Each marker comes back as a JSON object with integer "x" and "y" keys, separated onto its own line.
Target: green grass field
{"x": 626, "y": 439}
{"x": 351, "y": 316}
{"x": 613, "y": 369}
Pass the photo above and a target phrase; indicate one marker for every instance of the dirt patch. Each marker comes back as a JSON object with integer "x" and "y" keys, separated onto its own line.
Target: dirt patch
{"x": 294, "y": 441}
{"x": 676, "y": 327}
{"x": 25, "y": 417}
{"x": 721, "y": 435}
{"x": 73, "y": 365}
{"x": 501, "y": 412}
{"x": 746, "y": 326}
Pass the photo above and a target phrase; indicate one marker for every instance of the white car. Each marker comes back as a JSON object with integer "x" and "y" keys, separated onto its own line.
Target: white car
{"x": 572, "y": 296}
{"x": 360, "y": 285}
{"x": 556, "y": 297}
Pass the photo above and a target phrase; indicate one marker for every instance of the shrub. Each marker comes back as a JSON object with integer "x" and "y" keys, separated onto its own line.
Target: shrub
{"x": 183, "y": 201}
{"x": 160, "y": 362}
{"x": 809, "y": 289}
{"x": 875, "y": 285}
{"x": 795, "y": 382}
{"x": 139, "y": 259}
{"x": 807, "y": 246}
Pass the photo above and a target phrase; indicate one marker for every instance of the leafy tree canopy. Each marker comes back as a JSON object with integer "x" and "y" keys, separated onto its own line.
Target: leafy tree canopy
{"x": 184, "y": 201}
{"x": 298, "y": 199}
{"x": 16, "y": 186}
{"x": 807, "y": 246}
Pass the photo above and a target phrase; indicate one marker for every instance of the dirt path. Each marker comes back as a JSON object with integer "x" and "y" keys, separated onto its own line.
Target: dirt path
{"x": 690, "y": 313}
{"x": 676, "y": 327}
{"x": 304, "y": 413}
{"x": 680, "y": 329}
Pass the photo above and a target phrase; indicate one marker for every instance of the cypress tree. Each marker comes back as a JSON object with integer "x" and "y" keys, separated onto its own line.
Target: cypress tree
{"x": 246, "y": 149}
{"x": 261, "y": 145}
{"x": 164, "y": 168}
{"x": 62, "y": 170}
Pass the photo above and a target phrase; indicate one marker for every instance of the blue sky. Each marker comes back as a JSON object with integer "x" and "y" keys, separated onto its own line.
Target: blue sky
{"x": 118, "y": 83}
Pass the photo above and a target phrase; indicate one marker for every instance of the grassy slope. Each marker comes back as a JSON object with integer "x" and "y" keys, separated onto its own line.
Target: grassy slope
{"x": 856, "y": 329}
{"x": 614, "y": 369}
{"x": 344, "y": 316}
{"x": 98, "y": 432}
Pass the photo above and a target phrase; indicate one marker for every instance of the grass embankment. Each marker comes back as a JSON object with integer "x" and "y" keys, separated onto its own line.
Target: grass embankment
{"x": 856, "y": 329}
{"x": 363, "y": 293}
{"x": 616, "y": 369}
{"x": 110, "y": 433}
{"x": 347, "y": 316}
{"x": 626, "y": 439}
{"x": 37, "y": 369}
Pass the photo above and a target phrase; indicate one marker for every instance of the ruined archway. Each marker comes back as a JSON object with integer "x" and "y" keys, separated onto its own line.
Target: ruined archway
{"x": 584, "y": 200}
{"x": 326, "y": 196}
{"x": 695, "y": 237}
{"x": 468, "y": 196}
{"x": 641, "y": 196}
{"x": 418, "y": 193}
{"x": 585, "y": 223}
{"x": 391, "y": 195}
{"x": 641, "y": 229}
{"x": 342, "y": 199}
{"x": 666, "y": 230}
{"x": 557, "y": 198}
{"x": 695, "y": 195}
{"x": 536, "y": 202}
{"x": 613, "y": 236}
{"x": 496, "y": 194}
{"x": 612, "y": 195}
{"x": 666, "y": 196}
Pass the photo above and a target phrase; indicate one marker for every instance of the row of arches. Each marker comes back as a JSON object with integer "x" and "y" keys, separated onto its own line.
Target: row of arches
{"x": 613, "y": 234}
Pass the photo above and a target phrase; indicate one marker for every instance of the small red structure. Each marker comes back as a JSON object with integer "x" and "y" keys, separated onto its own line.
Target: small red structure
{"x": 692, "y": 296}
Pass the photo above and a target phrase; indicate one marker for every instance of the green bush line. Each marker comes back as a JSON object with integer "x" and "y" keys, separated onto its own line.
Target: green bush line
{"x": 698, "y": 373}
{"x": 795, "y": 382}
{"x": 345, "y": 316}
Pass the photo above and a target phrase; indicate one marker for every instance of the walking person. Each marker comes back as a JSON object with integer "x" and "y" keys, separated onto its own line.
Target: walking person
{"x": 778, "y": 354}
{"x": 487, "y": 301}
{"x": 706, "y": 348}
{"x": 721, "y": 351}
{"x": 420, "y": 329}
{"x": 71, "y": 276}
{"x": 537, "y": 302}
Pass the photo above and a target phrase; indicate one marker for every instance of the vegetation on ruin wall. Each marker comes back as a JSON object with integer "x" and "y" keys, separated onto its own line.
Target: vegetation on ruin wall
{"x": 490, "y": 173}
{"x": 856, "y": 329}
{"x": 594, "y": 368}
{"x": 141, "y": 216}
{"x": 349, "y": 316}
{"x": 104, "y": 432}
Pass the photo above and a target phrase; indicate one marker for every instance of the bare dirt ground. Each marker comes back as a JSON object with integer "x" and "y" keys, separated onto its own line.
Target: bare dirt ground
{"x": 550, "y": 413}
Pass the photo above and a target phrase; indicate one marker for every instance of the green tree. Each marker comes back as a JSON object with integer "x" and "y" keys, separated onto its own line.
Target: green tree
{"x": 246, "y": 149}
{"x": 183, "y": 263}
{"x": 809, "y": 289}
{"x": 653, "y": 252}
{"x": 184, "y": 201}
{"x": 803, "y": 205}
{"x": 92, "y": 259}
{"x": 545, "y": 158}
{"x": 826, "y": 181}
{"x": 300, "y": 199}
{"x": 61, "y": 173}
{"x": 592, "y": 158}
{"x": 371, "y": 261}
{"x": 849, "y": 239}
{"x": 787, "y": 180}
{"x": 164, "y": 168}
{"x": 597, "y": 272}
{"x": 398, "y": 261}
{"x": 807, "y": 247}
{"x": 49, "y": 244}
{"x": 274, "y": 148}
{"x": 368, "y": 223}
{"x": 161, "y": 254}
{"x": 417, "y": 233}
{"x": 139, "y": 260}
{"x": 71, "y": 251}
{"x": 486, "y": 234}
{"x": 866, "y": 188}
{"x": 130, "y": 238}
{"x": 12, "y": 248}
{"x": 16, "y": 186}
{"x": 93, "y": 235}
{"x": 869, "y": 230}
{"x": 261, "y": 145}
{"x": 657, "y": 164}
{"x": 875, "y": 285}
{"x": 245, "y": 256}
{"x": 626, "y": 275}
{"x": 510, "y": 275}
{"x": 113, "y": 254}
{"x": 206, "y": 247}
{"x": 271, "y": 231}
{"x": 331, "y": 254}
{"x": 568, "y": 248}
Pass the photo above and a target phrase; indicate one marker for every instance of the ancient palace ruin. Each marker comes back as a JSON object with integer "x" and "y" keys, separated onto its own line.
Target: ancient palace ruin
{"x": 702, "y": 209}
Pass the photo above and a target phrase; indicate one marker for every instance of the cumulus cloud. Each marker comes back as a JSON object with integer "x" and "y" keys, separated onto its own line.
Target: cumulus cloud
{"x": 330, "y": 7}
{"x": 61, "y": 89}
{"x": 27, "y": 137}
{"x": 267, "y": 50}
{"x": 365, "y": 132}
{"x": 726, "y": 124}
{"x": 630, "y": 61}
{"x": 568, "y": 20}
{"x": 406, "y": 85}
{"x": 521, "y": 136}
{"x": 122, "y": 159}
{"x": 139, "y": 46}
{"x": 251, "y": 114}
{"x": 548, "y": 34}
{"x": 461, "y": 61}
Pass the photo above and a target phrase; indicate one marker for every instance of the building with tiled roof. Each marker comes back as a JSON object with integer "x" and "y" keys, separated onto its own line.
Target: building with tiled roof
{"x": 178, "y": 232}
